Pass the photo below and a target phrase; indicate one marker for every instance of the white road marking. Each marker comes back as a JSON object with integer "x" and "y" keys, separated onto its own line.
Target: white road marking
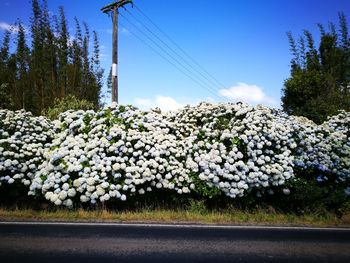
{"x": 203, "y": 226}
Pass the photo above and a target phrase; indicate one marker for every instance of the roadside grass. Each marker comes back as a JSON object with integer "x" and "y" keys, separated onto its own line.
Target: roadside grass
{"x": 260, "y": 217}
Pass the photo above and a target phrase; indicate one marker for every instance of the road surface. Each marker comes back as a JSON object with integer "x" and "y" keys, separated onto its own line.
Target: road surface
{"x": 72, "y": 242}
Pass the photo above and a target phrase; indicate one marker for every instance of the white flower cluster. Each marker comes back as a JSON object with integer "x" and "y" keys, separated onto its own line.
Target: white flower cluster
{"x": 237, "y": 148}
{"x": 325, "y": 147}
{"x": 121, "y": 151}
{"x": 111, "y": 154}
{"x": 23, "y": 141}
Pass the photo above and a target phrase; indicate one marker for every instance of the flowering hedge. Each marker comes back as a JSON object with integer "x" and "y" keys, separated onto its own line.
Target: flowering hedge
{"x": 206, "y": 150}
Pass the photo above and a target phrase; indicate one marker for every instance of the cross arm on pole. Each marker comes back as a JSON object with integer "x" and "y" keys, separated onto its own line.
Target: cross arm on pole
{"x": 116, "y": 4}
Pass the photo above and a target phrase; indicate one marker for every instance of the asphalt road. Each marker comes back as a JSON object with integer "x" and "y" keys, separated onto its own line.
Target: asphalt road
{"x": 56, "y": 242}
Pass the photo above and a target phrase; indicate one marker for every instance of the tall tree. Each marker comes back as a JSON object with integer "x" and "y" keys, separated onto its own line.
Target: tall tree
{"x": 22, "y": 63}
{"x": 63, "y": 51}
{"x": 4, "y": 58}
{"x": 36, "y": 96}
{"x": 97, "y": 70}
{"x": 319, "y": 84}
{"x": 6, "y": 100}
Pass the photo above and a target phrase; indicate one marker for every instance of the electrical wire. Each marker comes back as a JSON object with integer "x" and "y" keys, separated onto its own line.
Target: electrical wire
{"x": 169, "y": 61}
{"x": 178, "y": 46}
{"x": 213, "y": 83}
{"x": 194, "y": 76}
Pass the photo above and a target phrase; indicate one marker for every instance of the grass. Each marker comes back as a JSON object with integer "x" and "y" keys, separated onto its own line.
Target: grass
{"x": 176, "y": 216}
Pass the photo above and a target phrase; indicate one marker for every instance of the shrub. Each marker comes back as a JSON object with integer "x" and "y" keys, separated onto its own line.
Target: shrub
{"x": 208, "y": 152}
{"x": 69, "y": 102}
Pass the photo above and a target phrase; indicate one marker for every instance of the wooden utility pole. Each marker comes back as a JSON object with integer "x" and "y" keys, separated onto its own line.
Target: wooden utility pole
{"x": 108, "y": 9}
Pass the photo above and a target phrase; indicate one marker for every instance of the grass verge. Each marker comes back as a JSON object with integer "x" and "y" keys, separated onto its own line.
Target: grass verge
{"x": 176, "y": 216}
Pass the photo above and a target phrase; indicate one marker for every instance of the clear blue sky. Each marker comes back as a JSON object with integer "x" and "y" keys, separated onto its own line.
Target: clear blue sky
{"x": 242, "y": 43}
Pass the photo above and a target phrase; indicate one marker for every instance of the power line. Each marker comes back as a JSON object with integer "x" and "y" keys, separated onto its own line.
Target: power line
{"x": 198, "y": 79}
{"x": 175, "y": 44}
{"x": 174, "y": 51}
{"x": 167, "y": 53}
{"x": 169, "y": 61}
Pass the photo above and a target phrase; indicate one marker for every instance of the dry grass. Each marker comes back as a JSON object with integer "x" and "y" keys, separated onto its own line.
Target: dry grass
{"x": 171, "y": 216}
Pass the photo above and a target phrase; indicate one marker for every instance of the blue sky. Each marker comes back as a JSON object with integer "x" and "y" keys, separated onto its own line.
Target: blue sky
{"x": 242, "y": 43}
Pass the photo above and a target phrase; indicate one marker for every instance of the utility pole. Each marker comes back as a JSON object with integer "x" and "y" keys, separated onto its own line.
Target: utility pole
{"x": 108, "y": 9}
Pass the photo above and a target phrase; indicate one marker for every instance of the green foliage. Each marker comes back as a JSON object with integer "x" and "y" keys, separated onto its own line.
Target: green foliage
{"x": 68, "y": 103}
{"x": 313, "y": 191}
{"x": 201, "y": 135}
{"x": 202, "y": 189}
{"x": 345, "y": 208}
{"x": 122, "y": 108}
{"x": 6, "y": 101}
{"x": 197, "y": 206}
{"x": 309, "y": 196}
{"x": 320, "y": 78}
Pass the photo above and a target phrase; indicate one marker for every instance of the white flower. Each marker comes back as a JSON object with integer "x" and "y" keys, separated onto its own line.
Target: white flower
{"x": 71, "y": 192}
{"x": 286, "y": 191}
{"x": 105, "y": 185}
{"x": 116, "y": 167}
{"x": 84, "y": 198}
{"x": 58, "y": 202}
{"x": 53, "y": 197}
{"x": 65, "y": 186}
{"x": 11, "y": 181}
{"x": 68, "y": 203}
{"x": 100, "y": 191}
{"x": 90, "y": 181}
{"x": 48, "y": 195}
{"x": 62, "y": 195}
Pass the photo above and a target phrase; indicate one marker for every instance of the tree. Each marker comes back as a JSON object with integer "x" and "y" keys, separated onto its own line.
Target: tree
{"x": 36, "y": 90}
{"x": 20, "y": 95}
{"x": 97, "y": 70}
{"x": 52, "y": 67}
{"x": 63, "y": 51}
{"x": 319, "y": 85}
{"x": 6, "y": 101}
{"x": 7, "y": 73}
{"x": 4, "y": 58}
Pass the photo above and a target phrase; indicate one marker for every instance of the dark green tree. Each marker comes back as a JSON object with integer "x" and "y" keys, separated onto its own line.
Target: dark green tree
{"x": 319, "y": 85}
{"x": 4, "y": 58}
{"x": 21, "y": 84}
{"x": 7, "y": 73}
{"x": 97, "y": 72}
{"x": 63, "y": 52}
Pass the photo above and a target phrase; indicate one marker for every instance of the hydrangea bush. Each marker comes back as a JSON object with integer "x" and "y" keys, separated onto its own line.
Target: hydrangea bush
{"x": 24, "y": 140}
{"x": 206, "y": 150}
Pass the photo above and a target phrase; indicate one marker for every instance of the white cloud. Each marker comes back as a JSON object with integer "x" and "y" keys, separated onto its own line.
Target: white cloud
{"x": 251, "y": 94}
{"x": 165, "y": 103}
{"x": 8, "y": 27}
{"x": 13, "y": 28}
{"x": 144, "y": 103}
{"x": 123, "y": 30}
